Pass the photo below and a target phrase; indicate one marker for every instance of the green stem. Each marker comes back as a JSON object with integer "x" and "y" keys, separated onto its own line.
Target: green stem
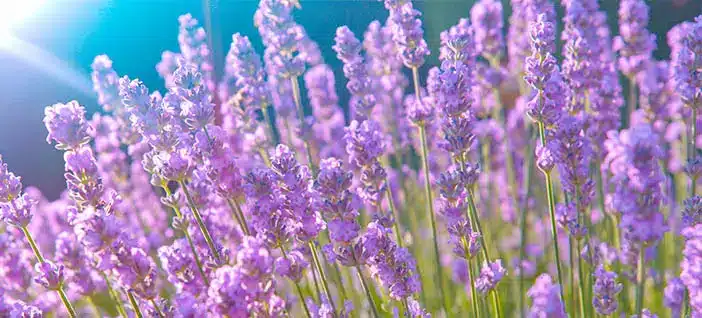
{"x": 552, "y": 213}
{"x": 474, "y": 216}
{"x": 135, "y": 305}
{"x": 196, "y": 257}
{"x": 473, "y": 292}
{"x": 40, "y": 259}
{"x": 158, "y": 310}
{"x": 573, "y": 296}
{"x": 297, "y": 287}
{"x": 430, "y": 208}
{"x": 368, "y": 293}
{"x": 200, "y": 223}
{"x": 393, "y": 211}
{"x": 581, "y": 287}
{"x": 496, "y": 303}
{"x": 693, "y": 148}
{"x": 115, "y": 297}
{"x": 238, "y": 215}
{"x": 323, "y": 277}
{"x": 269, "y": 125}
{"x": 523, "y": 226}
{"x": 640, "y": 281}
{"x": 631, "y": 103}
{"x": 301, "y": 117}
{"x": 66, "y": 302}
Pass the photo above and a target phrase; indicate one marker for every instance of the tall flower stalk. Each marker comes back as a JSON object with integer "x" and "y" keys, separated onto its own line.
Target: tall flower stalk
{"x": 541, "y": 73}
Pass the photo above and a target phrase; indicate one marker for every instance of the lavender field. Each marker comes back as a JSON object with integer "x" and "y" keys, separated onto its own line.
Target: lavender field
{"x": 546, "y": 168}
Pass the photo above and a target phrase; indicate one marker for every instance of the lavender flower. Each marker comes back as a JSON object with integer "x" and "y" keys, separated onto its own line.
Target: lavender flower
{"x": 248, "y": 73}
{"x": 105, "y": 83}
{"x": 348, "y": 49}
{"x": 487, "y": 20}
{"x": 546, "y": 300}
{"x": 50, "y": 275}
{"x": 66, "y": 125}
{"x": 605, "y": 291}
{"x": 686, "y": 65}
{"x": 635, "y": 43}
{"x": 329, "y": 117}
{"x": 490, "y": 275}
{"x": 633, "y": 158}
{"x": 10, "y": 184}
{"x": 192, "y": 40}
{"x": 674, "y": 294}
{"x": 407, "y": 32}
{"x": 690, "y": 269}
{"x": 692, "y": 211}
{"x": 394, "y": 266}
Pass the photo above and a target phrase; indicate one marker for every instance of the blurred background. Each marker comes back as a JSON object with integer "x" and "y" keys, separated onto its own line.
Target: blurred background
{"x": 47, "y": 46}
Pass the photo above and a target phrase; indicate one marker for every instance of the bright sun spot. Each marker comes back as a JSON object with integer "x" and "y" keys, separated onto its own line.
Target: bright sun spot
{"x": 14, "y": 12}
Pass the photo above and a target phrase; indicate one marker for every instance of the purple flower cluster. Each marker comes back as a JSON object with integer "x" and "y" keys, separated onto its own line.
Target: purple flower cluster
{"x": 605, "y": 291}
{"x": 635, "y": 43}
{"x": 407, "y": 32}
{"x": 686, "y": 64}
{"x": 632, "y": 159}
{"x": 690, "y": 267}
{"x": 195, "y": 201}
{"x": 546, "y": 300}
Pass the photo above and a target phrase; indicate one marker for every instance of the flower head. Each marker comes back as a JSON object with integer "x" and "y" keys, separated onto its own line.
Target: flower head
{"x": 67, "y": 125}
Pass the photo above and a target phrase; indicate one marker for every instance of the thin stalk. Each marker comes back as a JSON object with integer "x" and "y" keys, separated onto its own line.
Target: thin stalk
{"x": 269, "y": 124}
{"x": 552, "y": 213}
{"x": 40, "y": 259}
{"x": 523, "y": 226}
{"x": 581, "y": 287}
{"x": 473, "y": 292}
{"x": 135, "y": 305}
{"x": 496, "y": 306}
{"x": 301, "y": 117}
{"x": 640, "y": 281}
{"x": 297, "y": 287}
{"x": 322, "y": 276}
{"x": 393, "y": 211}
{"x": 474, "y": 216}
{"x": 200, "y": 223}
{"x": 114, "y": 296}
{"x": 264, "y": 156}
{"x": 239, "y": 215}
{"x": 573, "y": 296}
{"x": 631, "y": 103}
{"x": 693, "y": 148}
{"x": 196, "y": 257}
{"x": 430, "y": 208}
{"x": 368, "y": 293}
{"x": 158, "y": 310}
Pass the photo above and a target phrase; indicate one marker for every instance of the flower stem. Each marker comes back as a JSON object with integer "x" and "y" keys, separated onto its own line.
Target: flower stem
{"x": 640, "y": 281}
{"x": 200, "y": 223}
{"x": 158, "y": 310}
{"x": 269, "y": 125}
{"x": 196, "y": 257}
{"x": 40, "y": 259}
{"x": 297, "y": 287}
{"x": 239, "y": 215}
{"x": 583, "y": 281}
{"x": 523, "y": 226}
{"x": 323, "y": 277}
{"x": 301, "y": 117}
{"x": 115, "y": 297}
{"x": 473, "y": 292}
{"x": 552, "y": 213}
{"x": 135, "y": 305}
{"x": 474, "y": 216}
{"x": 693, "y": 149}
{"x": 430, "y": 210}
{"x": 367, "y": 290}
{"x": 393, "y": 211}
